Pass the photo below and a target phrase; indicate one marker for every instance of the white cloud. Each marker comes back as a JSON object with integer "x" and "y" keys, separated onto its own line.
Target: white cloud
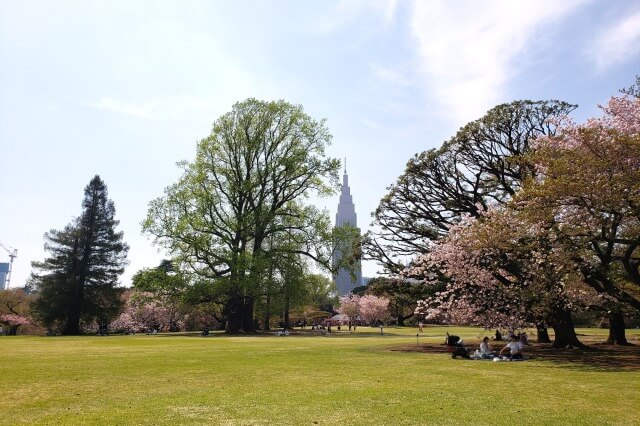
{"x": 371, "y": 124}
{"x": 160, "y": 108}
{"x": 468, "y": 50}
{"x": 133, "y": 109}
{"x": 617, "y": 43}
{"x": 346, "y": 11}
{"x": 389, "y": 10}
{"x": 394, "y": 76}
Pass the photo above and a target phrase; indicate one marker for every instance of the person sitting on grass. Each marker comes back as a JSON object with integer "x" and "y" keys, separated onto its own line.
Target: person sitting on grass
{"x": 514, "y": 347}
{"x": 485, "y": 349}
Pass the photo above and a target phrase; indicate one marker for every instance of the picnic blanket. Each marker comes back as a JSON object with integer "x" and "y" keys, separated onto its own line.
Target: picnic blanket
{"x": 501, "y": 359}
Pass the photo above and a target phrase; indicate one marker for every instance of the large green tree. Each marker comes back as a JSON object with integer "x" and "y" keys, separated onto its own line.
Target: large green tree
{"x": 480, "y": 166}
{"x": 246, "y": 187}
{"x": 78, "y": 281}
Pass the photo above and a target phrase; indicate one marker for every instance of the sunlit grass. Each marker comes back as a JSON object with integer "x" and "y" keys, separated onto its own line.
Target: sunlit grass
{"x": 346, "y": 378}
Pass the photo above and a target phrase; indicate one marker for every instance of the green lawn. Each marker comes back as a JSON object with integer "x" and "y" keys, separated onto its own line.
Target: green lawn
{"x": 339, "y": 379}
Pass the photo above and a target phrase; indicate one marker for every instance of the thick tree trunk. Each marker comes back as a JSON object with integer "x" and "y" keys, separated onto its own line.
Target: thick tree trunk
{"x": 72, "y": 328}
{"x": 543, "y": 333}
{"x": 617, "y": 329}
{"x": 403, "y": 318}
{"x": 248, "y": 325}
{"x": 564, "y": 330}
{"x": 233, "y": 312}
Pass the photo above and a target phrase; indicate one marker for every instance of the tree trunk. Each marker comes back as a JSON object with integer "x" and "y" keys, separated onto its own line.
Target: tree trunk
{"x": 543, "y": 333}
{"x": 72, "y": 327}
{"x": 267, "y": 315}
{"x": 286, "y": 312}
{"x": 564, "y": 330}
{"x": 233, "y": 312}
{"x": 616, "y": 329}
{"x": 403, "y": 318}
{"x": 247, "y": 315}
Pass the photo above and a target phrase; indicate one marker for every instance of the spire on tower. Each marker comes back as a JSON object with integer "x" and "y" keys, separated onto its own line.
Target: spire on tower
{"x": 345, "y": 178}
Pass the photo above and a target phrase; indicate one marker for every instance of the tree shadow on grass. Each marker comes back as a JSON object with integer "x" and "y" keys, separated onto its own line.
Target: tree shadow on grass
{"x": 596, "y": 356}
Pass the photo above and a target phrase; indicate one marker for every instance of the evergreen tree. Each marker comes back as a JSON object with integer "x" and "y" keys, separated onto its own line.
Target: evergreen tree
{"x": 77, "y": 283}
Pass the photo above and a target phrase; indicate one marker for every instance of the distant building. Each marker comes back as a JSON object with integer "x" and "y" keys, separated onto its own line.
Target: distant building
{"x": 346, "y": 216}
{"x": 4, "y": 271}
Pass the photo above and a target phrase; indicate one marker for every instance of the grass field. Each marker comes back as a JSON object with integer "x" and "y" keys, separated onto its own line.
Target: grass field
{"x": 344, "y": 378}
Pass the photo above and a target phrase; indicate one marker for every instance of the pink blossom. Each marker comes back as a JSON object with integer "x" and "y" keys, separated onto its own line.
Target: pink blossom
{"x": 373, "y": 309}
{"x": 13, "y": 319}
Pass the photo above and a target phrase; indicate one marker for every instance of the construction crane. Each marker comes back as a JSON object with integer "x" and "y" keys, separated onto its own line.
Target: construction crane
{"x": 12, "y": 255}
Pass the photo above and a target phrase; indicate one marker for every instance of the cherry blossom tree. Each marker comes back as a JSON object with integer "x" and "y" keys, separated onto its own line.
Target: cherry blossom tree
{"x": 373, "y": 309}
{"x": 12, "y": 322}
{"x": 568, "y": 240}
{"x": 126, "y": 323}
{"x": 15, "y": 310}
{"x": 145, "y": 311}
{"x": 588, "y": 187}
{"x": 504, "y": 272}
{"x": 403, "y": 295}
{"x": 350, "y": 306}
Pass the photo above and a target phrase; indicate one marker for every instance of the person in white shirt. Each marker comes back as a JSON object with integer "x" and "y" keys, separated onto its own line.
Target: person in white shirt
{"x": 485, "y": 349}
{"x": 514, "y": 347}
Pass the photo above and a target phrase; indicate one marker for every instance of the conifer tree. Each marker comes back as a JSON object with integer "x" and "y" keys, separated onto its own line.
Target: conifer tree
{"x": 78, "y": 282}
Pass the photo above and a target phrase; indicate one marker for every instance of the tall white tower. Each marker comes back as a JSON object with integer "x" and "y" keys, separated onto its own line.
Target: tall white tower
{"x": 346, "y": 216}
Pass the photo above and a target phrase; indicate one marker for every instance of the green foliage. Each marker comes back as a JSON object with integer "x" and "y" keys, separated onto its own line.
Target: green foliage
{"x": 240, "y": 203}
{"x": 321, "y": 290}
{"x": 480, "y": 166}
{"x": 163, "y": 281}
{"x": 78, "y": 282}
{"x": 347, "y": 242}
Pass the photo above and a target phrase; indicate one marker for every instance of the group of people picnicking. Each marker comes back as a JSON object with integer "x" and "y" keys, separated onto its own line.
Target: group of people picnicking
{"x": 513, "y": 349}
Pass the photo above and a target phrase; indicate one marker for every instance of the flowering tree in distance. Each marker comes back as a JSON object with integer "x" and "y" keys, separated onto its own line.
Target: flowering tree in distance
{"x": 350, "y": 306}
{"x": 145, "y": 311}
{"x": 373, "y": 309}
{"x": 15, "y": 309}
{"x": 402, "y": 294}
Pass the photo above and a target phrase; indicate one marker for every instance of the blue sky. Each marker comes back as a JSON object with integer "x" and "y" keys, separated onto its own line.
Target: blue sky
{"x": 125, "y": 89}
